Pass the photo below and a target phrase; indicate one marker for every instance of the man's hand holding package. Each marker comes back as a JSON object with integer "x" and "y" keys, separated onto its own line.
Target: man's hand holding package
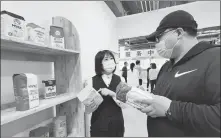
{"x": 129, "y": 95}
{"x": 157, "y": 106}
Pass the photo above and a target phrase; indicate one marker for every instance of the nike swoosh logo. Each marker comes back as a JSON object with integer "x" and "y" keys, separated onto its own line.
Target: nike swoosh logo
{"x": 181, "y": 74}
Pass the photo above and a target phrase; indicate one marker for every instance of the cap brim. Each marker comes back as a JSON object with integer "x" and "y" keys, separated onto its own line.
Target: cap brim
{"x": 152, "y": 37}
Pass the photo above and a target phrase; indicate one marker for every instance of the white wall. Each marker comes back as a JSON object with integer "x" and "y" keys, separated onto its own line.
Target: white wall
{"x": 94, "y": 21}
{"x": 96, "y": 26}
{"x": 206, "y": 13}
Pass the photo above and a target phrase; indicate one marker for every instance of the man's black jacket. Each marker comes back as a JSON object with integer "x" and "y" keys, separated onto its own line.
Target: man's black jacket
{"x": 193, "y": 85}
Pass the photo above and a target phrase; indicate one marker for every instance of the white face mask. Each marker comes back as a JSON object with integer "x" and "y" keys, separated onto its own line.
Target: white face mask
{"x": 109, "y": 66}
{"x": 163, "y": 51}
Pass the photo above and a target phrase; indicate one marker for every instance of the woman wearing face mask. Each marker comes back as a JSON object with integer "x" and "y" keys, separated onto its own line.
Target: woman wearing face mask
{"x": 107, "y": 120}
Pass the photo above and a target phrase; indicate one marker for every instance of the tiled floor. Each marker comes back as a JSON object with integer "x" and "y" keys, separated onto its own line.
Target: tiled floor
{"x": 135, "y": 123}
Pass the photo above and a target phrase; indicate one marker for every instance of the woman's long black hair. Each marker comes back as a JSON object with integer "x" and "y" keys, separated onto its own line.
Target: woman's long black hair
{"x": 153, "y": 65}
{"x": 132, "y": 66}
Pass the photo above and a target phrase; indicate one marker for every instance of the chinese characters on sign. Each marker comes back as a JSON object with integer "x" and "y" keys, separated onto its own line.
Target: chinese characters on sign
{"x": 139, "y": 53}
{"x": 150, "y": 53}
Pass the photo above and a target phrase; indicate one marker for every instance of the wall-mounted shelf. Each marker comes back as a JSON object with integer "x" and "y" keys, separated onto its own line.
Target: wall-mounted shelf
{"x": 11, "y": 114}
{"x": 66, "y": 71}
{"x": 26, "y": 46}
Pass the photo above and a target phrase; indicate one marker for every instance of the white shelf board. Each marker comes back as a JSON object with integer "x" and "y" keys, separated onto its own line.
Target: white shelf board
{"x": 74, "y": 135}
{"x": 11, "y": 114}
{"x": 26, "y": 46}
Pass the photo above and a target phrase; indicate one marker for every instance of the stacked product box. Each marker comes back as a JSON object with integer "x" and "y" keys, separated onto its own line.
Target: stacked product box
{"x": 35, "y": 33}
{"x": 49, "y": 88}
{"x": 12, "y": 25}
{"x": 57, "y": 37}
{"x": 25, "y": 91}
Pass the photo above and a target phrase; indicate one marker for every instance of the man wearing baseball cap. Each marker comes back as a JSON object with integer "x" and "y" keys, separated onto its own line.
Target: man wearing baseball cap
{"x": 186, "y": 100}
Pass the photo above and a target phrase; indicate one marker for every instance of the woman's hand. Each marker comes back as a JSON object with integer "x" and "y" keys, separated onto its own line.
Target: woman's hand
{"x": 91, "y": 105}
{"x": 106, "y": 92}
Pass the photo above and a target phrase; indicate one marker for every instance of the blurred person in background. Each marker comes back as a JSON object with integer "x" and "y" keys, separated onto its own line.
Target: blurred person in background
{"x": 132, "y": 76}
{"x": 124, "y": 71}
{"x": 139, "y": 72}
{"x": 148, "y": 78}
{"x": 153, "y": 72}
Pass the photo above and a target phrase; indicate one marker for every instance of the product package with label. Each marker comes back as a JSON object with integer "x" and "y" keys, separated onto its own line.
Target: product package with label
{"x": 89, "y": 96}
{"x": 39, "y": 132}
{"x": 57, "y": 37}
{"x": 26, "y": 91}
{"x": 129, "y": 95}
{"x": 59, "y": 126}
{"x": 35, "y": 33}
{"x": 49, "y": 88}
{"x": 12, "y": 25}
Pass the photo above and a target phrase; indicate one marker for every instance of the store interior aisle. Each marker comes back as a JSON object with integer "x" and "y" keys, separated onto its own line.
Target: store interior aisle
{"x": 135, "y": 123}
{"x": 135, "y": 120}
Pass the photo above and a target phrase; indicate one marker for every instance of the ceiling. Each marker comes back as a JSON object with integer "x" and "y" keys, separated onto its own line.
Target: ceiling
{"x": 124, "y": 8}
{"x": 138, "y": 43}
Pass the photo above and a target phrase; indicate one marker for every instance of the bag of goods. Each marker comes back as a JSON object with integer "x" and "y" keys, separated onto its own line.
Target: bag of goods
{"x": 26, "y": 91}
{"x": 49, "y": 88}
{"x": 129, "y": 95}
{"x": 39, "y": 132}
{"x": 59, "y": 126}
{"x": 12, "y": 25}
{"x": 57, "y": 36}
{"x": 35, "y": 33}
{"x": 89, "y": 96}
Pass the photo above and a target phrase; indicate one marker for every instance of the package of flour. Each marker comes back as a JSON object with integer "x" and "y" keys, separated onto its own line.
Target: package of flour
{"x": 49, "y": 88}
{"x": 137, "y": 94}
{"x": 57, "y": 37}
{"x": 130, "y": 95}
{"x": 35, "y": 33}
{"x": 89, "y": 96}
{"x": 25, "y": 91}
{"x": 12, "y": 25}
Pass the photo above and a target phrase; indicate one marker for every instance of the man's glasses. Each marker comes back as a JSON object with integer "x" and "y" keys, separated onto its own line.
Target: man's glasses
{"x": 160, "y": 35}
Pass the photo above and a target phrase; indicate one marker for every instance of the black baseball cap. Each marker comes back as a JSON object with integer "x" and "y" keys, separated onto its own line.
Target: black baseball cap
{"x": 174, "y": 19}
